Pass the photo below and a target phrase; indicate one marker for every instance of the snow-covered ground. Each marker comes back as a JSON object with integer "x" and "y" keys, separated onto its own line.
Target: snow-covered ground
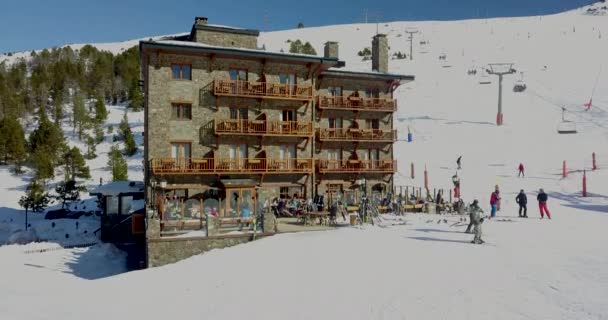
{"x": 529, "y": 268}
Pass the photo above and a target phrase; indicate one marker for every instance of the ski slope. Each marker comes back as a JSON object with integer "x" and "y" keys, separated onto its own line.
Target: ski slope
{"x": 426, "y": 269}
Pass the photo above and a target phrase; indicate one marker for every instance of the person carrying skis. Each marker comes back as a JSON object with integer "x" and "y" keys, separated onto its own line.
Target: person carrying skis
{"x": 458, "y": 162}
{"x": 522, "y": 200}
{"x": 476, "y": 214}
{"x": 521, "y": 170}
{"x": 493, "y": 204}
{"x": 542, "y": 204}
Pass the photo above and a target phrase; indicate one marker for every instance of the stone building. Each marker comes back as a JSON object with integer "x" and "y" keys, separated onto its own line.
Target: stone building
{"x": 229, "y": 125}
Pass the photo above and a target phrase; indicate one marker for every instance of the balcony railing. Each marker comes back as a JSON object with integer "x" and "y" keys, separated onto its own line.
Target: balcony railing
{"x": 268, "y": 90}
{"x": 225, "y": 165}
{"x": 371, "y": 135}
{"x": 357, "y": 103}
{"x": 263, "y": 128}
{"x": 358, "y": 166}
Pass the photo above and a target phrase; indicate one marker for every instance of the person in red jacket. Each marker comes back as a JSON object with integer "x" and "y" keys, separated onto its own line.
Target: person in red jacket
{"x": 493, "y": 204}
{"x": 521, "y": 171}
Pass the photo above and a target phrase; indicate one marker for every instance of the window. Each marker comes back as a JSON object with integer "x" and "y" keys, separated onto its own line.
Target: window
{"x": 374, "y": 155}
{"x": 239, "y": 113}
{"x": 181, "y": 111}
{"x": 238, "y": 74}
{"x": 335, "y": 123}
{"x": 372, "y": 93}
{"x": 334, "y": 154}
{"x": 373, "y": 124}
{"x": 288, "y": 151}
{"x": 112, "y": 205}
{"x": 238, "y": 151}
{"x": 284, "y": 192}
{"x": 290, "y": 79}
{"x": 180, "y": 151}
{"x": 126, "y": 204}
{"x": 289, "y": 115}
{"x": 335, "y": 91}
{"x": 181, "y": 71}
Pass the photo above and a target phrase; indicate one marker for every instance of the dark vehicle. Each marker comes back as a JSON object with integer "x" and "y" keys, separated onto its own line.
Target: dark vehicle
{"x": 56, "y": 214}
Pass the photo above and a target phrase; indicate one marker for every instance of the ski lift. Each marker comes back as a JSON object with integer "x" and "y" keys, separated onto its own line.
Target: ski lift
{"x": 424, "y": 46}
{"x": 566, "y": 126}
{"x": 484, "y": 78}
{"x": 520, "y": 85}
{"x": 444, "y": 57}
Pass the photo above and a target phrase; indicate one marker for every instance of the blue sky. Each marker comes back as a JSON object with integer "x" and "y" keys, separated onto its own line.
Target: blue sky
{"x": 35, "y": 24}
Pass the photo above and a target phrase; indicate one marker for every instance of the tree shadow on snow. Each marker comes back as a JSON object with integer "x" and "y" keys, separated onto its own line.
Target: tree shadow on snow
{"x": 97, "y": 262}
{"x": 589, "y": 207}
{"x": 438, "y": 240}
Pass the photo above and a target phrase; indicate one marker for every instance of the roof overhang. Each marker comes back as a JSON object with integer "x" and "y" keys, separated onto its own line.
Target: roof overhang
{"x": 368, "y": 75}
{"x": 241, "y": 53}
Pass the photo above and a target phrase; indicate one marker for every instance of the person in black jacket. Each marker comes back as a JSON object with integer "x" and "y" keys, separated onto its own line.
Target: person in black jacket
{"x": 522, "y": 200}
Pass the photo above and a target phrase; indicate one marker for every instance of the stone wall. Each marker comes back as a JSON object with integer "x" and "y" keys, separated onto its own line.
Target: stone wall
{"x": 226, "y": 39}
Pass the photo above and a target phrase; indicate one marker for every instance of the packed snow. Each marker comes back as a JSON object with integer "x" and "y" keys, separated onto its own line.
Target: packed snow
{"x": 427, "y": 268}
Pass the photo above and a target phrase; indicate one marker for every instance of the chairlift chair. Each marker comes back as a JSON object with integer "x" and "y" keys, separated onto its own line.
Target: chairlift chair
{"x": 520, "y": 85}
{"x": 566, "y": 126}
{"x": 485, "y": 78}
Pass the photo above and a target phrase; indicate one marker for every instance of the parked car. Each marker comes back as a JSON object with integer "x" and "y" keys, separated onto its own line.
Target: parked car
{"x": 56, "y": 214}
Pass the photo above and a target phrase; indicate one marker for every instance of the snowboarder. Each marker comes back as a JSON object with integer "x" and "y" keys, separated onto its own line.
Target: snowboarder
{"x": 521, "y": 170}
{"x": 542, "y": 204}
{"x": 476, "y": 214}
{"x": 493, "y": 204}
{"x": 522, "y": 200}
{"x": 458, "y": 162}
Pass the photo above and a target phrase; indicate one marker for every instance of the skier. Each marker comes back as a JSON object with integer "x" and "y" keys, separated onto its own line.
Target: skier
{"x": 521, "y": 170}
{"x": 458, "y": 162}
{"x": 476, "y": 214}
{"x": 498, "y": 197}
{"x": 493, "y": 204}
{"x": 542, "y": 204}
{"x": 522, "y": 200}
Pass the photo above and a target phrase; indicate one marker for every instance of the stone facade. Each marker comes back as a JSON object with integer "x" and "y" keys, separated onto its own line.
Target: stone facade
{"x": 380, "y": 53}
{"x": 331, "y": 49}
{"x": 161, "y": 129}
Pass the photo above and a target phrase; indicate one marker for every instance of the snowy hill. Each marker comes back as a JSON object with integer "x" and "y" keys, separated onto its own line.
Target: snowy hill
{"x": 530, "y": 268}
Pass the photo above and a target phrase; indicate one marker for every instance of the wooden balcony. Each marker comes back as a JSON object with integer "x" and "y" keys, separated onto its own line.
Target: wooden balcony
{"x": 263, "y": 128}
{"x": 356, "y": 166}
{"x": 174, "y": 166}
{"x": 264, "y": 90}
{"x": 357, "y": 135}
{"x": 357, "y": 104}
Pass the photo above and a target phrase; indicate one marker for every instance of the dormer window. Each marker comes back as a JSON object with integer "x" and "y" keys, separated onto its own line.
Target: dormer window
{"x": 181, "y": 71}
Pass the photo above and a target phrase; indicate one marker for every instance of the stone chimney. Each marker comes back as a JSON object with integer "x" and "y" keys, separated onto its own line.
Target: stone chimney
{"x": 380, "y": 53}
{"x": 201, "y": 21}
{"x": 331, "y": 49}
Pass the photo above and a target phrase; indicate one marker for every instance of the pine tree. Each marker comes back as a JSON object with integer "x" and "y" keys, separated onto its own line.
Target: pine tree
{"x": 58, "y": 110}
{"x": 300, "y": 25}
{"x": 91, "y": 148}
{"x": 75, "y": 166}
{"x": 117, "y": 164}
{"x": 35, "y": 198}
{"x": 295, "y": 46}
{"x": 101, "y": 113}
{"x": 307, "y": 48}
{"x": 99, "y": 135}
{"x": 67, "y": 192}
{"x": 46, "y": 143}
{"x": 81, "y": 118}
{"x": 12, "y": 142}
{"x": 130, "y": 145}
{"x": 124, "y": 126}
{"x": 137, "y": 99}
{"x": 43, "y": 164}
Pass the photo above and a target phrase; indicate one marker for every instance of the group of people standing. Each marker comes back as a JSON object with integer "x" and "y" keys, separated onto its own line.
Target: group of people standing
{"x": 476, "y": 213}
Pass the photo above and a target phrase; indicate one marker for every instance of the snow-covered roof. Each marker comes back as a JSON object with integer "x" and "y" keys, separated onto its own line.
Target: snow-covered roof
{"x": 242, "y": 51}
{"x": 345, "y": 72}
{"x": 117, "y": 187}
